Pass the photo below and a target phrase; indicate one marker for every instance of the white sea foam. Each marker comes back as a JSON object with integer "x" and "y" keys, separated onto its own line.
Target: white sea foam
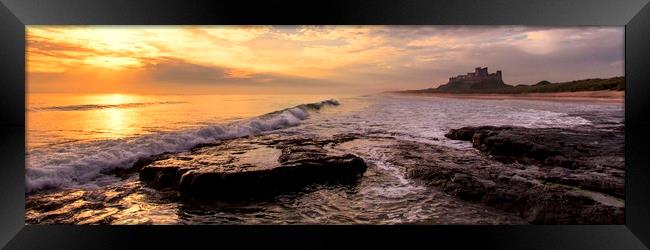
{"x": 84, "y": 164}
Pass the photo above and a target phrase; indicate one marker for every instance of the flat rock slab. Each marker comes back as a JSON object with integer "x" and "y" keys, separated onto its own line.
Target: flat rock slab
{"x": 585, "y": 157}
{"x": 547, "y": 176}
{"x": 526, "y": 190}
{"x": 582, "y": 147}
{"x": 250, "y": 167}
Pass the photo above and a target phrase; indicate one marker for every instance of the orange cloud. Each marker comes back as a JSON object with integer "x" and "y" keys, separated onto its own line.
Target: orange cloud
{"x": 363, "y": 58}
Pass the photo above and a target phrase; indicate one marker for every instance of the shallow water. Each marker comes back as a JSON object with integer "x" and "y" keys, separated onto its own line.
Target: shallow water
{"x": 382, "y": 196}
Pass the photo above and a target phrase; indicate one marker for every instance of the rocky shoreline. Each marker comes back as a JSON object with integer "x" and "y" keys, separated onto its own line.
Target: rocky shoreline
{"x": 543, "y": 176}
{"x": 547, "y": 176}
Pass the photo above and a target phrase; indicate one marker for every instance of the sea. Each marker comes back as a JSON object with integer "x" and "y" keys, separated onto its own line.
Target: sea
{"x": 74, "y": 142}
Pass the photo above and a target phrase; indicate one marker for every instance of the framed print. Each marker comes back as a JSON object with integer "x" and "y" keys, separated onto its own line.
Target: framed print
{"x": 178, "y": 125}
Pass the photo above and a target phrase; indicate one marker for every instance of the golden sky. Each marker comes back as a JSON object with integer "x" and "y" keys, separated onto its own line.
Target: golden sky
{"x": 308, "y": 59}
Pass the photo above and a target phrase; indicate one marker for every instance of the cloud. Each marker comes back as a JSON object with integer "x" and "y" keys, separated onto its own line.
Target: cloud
{"x": 230, "y": 33}
{"x": 359, "y": 58}
{"x": 183, "y": 72}
{"x": 174, "y": 71}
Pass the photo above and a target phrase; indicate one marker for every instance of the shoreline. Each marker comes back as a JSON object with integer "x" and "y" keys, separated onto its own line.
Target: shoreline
{"x": 607, "y": 96}
{"x": 524, "y": 178}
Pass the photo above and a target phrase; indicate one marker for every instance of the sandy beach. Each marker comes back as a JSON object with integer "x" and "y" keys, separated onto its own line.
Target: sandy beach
{"x": 609, "y": 96}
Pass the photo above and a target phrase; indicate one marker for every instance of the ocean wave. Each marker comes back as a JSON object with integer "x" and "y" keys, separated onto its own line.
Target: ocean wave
{"x": 84, "y": 164}
{"x": 97, "y": 106}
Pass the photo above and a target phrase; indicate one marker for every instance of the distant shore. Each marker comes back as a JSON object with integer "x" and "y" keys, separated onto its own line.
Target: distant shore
{"x": 610, "y": 96}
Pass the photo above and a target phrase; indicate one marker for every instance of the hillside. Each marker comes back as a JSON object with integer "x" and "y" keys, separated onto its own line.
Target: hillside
{"x": 473, "y": 85}
{"x": 592, "y": 84}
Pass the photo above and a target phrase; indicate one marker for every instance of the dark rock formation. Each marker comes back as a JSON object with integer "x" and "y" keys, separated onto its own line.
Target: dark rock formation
{"x": 571, "y": 148}
{"x": 509, "y": 170}
{"x": 251, "y": 167}
{"x": 540, "y": 195}
{"x": 587, "y": 158}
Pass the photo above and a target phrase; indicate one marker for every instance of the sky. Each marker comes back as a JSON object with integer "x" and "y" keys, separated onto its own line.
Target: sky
{"x": 308, "y": 59}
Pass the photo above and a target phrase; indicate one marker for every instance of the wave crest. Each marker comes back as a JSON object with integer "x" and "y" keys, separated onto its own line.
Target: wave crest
{"x": 84, "y": 164}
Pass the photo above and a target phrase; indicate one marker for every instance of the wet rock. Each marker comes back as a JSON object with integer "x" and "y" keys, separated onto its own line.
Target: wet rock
{"x": 137, "y": 166}
{"x": 593, "y": 157}
{"x": 572, "y": 148}
{"x": 251, "y": 167}
{"x": 526, "y": 190}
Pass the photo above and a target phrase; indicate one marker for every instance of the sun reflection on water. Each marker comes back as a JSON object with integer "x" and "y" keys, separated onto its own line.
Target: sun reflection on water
{"x": 115, "y": 122}
{"x": 92, "y": 117}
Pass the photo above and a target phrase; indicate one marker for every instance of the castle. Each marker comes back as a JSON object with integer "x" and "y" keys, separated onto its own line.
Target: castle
{"x": 480, "y": 79}
{"x": 479, "y": 75}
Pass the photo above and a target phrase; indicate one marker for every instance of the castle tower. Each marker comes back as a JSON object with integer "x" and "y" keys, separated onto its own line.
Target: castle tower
{"x": 484, "y": 72}
{"x": 499, "y": 75}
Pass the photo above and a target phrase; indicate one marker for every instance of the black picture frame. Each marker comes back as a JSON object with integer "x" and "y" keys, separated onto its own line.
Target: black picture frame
{"x": 633, "y": 14}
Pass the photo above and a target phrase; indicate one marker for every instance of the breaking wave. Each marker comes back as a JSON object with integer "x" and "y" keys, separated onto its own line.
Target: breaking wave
{"x": 84, "y": 164}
